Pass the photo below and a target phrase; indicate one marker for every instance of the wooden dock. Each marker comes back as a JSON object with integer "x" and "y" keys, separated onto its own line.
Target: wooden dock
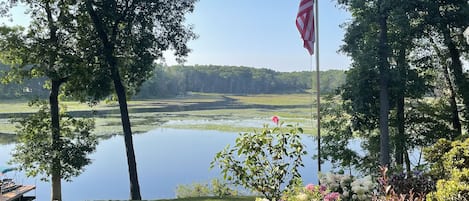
{"x": 18, "y": 194}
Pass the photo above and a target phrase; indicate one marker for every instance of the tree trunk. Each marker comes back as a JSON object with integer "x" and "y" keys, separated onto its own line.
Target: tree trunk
{"x": 401, "y": 137}
{"x": 407, "y": 160}
{"x": 456, "y": 121}
{"x": 56, "y": 191}
{"x": 56, "y": 188}
{"x": 129, "y": 146}
{"x": 384, "y": 88}
{"x": 121, "y": 95}
{"x": 461, "y": 81}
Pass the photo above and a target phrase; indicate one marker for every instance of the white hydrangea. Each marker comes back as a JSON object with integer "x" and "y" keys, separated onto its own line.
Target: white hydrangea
{"x": 334, "y": 181}
{"x": 363, "y": 188}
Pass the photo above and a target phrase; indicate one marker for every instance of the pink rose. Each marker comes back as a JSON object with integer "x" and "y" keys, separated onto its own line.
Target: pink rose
{"x": 310, "y": 187}
{"x": 275, "y": 119}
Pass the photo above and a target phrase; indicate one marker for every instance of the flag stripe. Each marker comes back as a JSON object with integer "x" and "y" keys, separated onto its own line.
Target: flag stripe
{"x": 305, "y": 24}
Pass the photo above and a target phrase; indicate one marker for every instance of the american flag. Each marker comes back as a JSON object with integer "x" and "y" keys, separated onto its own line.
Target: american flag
{"x": 305, "y": 24}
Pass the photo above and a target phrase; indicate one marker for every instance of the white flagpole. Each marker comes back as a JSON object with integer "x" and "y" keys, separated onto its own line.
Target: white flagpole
{"x": 318, "y": 92}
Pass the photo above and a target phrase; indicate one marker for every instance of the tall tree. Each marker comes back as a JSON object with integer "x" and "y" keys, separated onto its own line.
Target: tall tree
{"x": 384, "y": 77}
{"x": 380, "y": 39}
{"x": 407, "y": 83}
{"x": 449, "y": 19}
{"x": 48, "y": 47}
{"x": 133, "y": 34}
{"x": 370, "y": 51}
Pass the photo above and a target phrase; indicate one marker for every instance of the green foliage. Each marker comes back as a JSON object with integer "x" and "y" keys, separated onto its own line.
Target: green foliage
{"x": 264, "y": 161}
{"x": 338, "y": 133}
{"x": 176, "y": 80}
{"x": 213, "y": 199}
{"x": 34, "y": 152}
{"x": 216, "y": 188}
{"x": 222, "y": 189}
{"x": 456, "y": 188}
{"x": 445, "y": 156}
{"x": 193, "y": 190}
{"x": 426, "y": 121}
{"x": 450, "y": 165}
{"x": 129, "y": 37}
{"x": 434, "y": 155}
{"x": 341, "y": 129}
{"x": 298, "y": 192}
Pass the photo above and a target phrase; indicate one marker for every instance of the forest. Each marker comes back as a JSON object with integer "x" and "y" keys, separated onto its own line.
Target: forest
{"x": 170, "y": 81}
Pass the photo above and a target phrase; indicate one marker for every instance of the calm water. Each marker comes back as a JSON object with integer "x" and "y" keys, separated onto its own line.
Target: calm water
{"x": 165, "y": 158}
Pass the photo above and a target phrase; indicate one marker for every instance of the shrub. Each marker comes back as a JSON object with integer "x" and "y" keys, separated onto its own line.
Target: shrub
{"x": 348, "y": 187}
{"x": 217, "y": 188}
{"x": 417, "y": 182}
{"x": 456, "y": 188}
{"x": 192, "y": 190}
{"x": 387, "y": 192}
{"x": 451, "y": 161}
{"x": 264, "y": 161}
{"x": 222, "y": 189}
{"x": 310, "y": 192}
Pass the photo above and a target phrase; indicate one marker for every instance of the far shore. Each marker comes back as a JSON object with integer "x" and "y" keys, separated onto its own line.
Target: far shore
{"x": 222, "y": 112}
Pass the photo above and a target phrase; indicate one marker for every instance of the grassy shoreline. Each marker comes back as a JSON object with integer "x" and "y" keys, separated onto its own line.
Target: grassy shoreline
{"x": 222, "y": 112}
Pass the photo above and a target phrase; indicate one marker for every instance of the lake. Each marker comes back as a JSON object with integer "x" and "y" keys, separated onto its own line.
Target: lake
{"x": 165, "y": 158}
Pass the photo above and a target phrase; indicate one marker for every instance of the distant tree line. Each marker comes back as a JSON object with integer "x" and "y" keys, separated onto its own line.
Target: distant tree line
{"x": 168, "y": 81}
{"x": 176, "y": 80}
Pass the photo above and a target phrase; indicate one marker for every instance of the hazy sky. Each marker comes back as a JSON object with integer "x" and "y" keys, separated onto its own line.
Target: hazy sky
{"x": 259, "y": 33}
{"x": 262, "y": 33}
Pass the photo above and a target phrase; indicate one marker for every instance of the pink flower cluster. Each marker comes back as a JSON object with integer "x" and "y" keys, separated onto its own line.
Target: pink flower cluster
{"x": 333, "y": 196}
{"x": 312, "y": 188}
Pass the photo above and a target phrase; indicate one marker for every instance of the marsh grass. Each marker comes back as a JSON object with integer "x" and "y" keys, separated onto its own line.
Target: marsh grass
{"x": 275, "y": 99}
{"x": 240, "y": 114}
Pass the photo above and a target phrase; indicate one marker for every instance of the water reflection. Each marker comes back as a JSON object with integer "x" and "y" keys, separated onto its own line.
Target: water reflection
{"x": 165, "y": 158}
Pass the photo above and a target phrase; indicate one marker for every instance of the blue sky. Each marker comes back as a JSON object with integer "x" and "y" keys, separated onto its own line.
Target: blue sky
{"x": 257, "y": 33}
{"x": 262, "y": 33}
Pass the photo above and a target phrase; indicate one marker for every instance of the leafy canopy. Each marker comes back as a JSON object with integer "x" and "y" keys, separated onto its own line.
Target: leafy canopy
{"x": 264, "y": 161}
{"x": 34, "y": 150}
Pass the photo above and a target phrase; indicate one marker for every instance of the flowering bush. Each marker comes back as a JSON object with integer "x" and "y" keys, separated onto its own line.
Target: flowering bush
{"x": 363, "y": 188}
{"x": 310, "y": 192}
{"x": 348, "y": 187}
{"x": 264, "y": 162}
